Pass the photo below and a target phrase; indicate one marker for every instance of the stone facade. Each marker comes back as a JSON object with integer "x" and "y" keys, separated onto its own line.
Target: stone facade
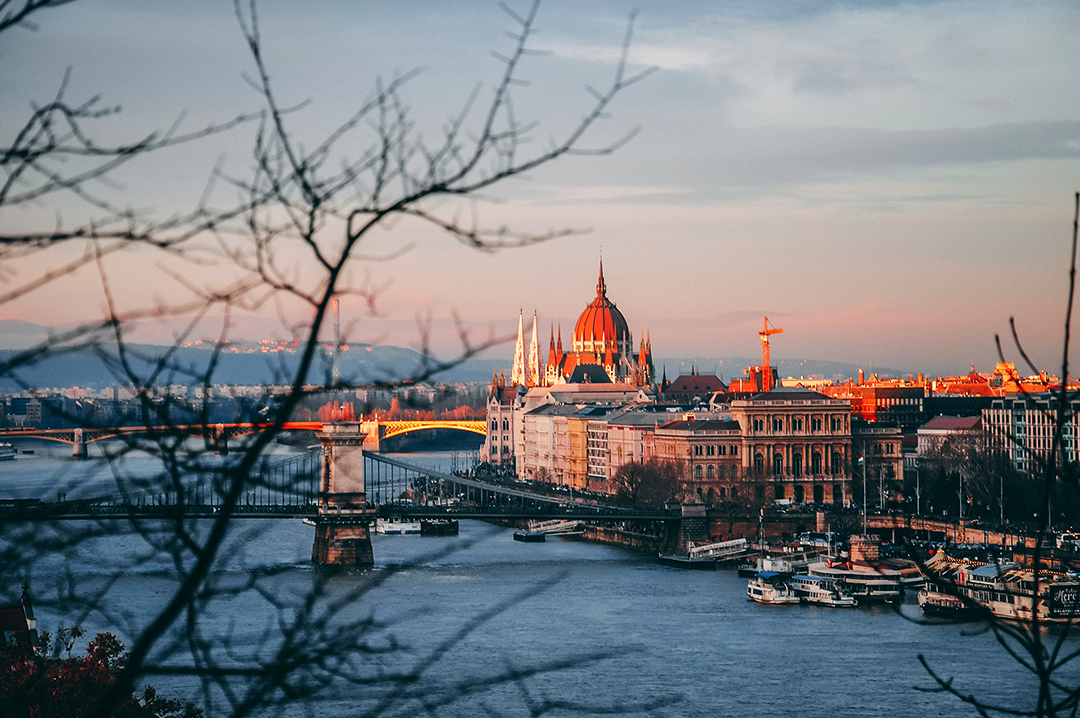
{"x": 796, "y": 444}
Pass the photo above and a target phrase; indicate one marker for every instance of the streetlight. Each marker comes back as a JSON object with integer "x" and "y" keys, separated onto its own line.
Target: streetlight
{"x": 918, "y": 493}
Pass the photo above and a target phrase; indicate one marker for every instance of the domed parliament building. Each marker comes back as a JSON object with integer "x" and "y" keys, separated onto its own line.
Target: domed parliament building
{"x": 601, "y": 350}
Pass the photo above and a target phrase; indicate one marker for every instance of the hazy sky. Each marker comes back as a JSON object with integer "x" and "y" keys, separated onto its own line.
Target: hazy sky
{"x": 888, "y": 181}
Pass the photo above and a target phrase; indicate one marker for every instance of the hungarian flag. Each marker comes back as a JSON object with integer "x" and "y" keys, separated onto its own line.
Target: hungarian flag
{"x": 860, "y": 461}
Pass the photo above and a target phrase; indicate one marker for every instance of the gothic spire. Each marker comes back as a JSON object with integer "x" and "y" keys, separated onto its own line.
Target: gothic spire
{"x": 517, "y": 371}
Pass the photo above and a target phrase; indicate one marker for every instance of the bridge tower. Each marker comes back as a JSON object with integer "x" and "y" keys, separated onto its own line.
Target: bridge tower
{"x": 343, "y": 525}
{"x": 78, "y": 448}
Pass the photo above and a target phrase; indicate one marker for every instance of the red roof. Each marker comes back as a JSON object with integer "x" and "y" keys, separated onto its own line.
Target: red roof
{"x": 954, "y": 423}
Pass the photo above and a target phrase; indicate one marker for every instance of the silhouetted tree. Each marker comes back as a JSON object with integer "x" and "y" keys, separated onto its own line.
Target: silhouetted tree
{"x": 649, "y": 484}
{"x": 1048, "y": 657}
{"x": 294, "y": 234}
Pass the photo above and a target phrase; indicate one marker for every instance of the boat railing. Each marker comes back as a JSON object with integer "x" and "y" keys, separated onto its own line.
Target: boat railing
{"x": 722, "y": 548}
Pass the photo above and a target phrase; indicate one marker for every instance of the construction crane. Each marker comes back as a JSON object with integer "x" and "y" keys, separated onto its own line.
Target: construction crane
{"x": 766, "y": 373}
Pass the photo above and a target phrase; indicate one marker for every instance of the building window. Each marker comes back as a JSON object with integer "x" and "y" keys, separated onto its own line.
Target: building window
{"x": 815, "y": 424}
{"x": 796, "y": 464}
{"x": 506, "y": 425}
{"x": 710, "y": 472}
{"x": 494, "y": 425}
{"x": 815, "y": 463}
{"x": 735, "y": 450}
{"x": 697, "y": 471}
{"x": 837, "y": 424}
{"x": 778, "y": 464}
{"x": 759, "y": 425}
{"x": 777, "y": 424}
{"x": 722, "y": 450}
{"x": 759, "y": 463}
{"x": 697, "y": 451}
{"x": 796, "y": 424}
{"x": 723, "y": 492}
{"x": 720, "y": 471}
{"x": 836, "y": 463}
{"x": 710, "y": 450}
{"x": 778, "y": 492}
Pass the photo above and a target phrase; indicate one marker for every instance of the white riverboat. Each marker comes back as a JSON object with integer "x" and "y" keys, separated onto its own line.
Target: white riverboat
{"x": 397, "y": 527}
{"x": 821, "y": 591}
{"x": 771, "y": 587}
{"x": 864, "y": 581}
{"x": 7, "y": 452}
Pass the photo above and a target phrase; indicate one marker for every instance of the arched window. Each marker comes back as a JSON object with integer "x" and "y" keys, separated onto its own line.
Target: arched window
{"x": 800, "y": 494}
{"x": 796, "y": 464}
{"x": 777, "y": 464}
{"x": 506, "y": 424}
{"x": 837, "y": 463}
{"x": 494, "y": 425}
{"x": 819, "y": 494}
{"x": 697, "y": 471}
{"x": 778, "y": 492}
{"x": 710, "y": 472}
{"x": 815, "y": 463}
{"x": 759, "y": 463}
{"x": 723, "y": 493}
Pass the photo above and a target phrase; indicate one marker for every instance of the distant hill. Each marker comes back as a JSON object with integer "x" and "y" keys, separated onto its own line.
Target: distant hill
{"x": 99, "y": 367}
{"x": 94, "y": 367}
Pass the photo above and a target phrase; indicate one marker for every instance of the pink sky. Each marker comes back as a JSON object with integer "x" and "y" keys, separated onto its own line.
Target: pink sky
{"x": 889, "y": 184}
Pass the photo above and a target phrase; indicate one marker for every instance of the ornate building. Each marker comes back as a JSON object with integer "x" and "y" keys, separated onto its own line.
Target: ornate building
{"x": 601, "y": 339}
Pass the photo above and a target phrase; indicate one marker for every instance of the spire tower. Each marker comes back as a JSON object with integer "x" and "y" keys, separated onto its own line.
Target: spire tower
{"x": 517, "y": 371}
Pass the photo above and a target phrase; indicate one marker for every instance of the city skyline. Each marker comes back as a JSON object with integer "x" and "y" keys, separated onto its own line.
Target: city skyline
{"x": 887, "y": 182}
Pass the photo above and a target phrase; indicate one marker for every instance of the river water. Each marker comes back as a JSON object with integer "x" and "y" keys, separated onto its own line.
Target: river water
{"x": 670, "y": 642}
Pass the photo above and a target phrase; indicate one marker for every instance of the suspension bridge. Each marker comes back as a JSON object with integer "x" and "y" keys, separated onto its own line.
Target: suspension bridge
{"x": 290, "y": 488}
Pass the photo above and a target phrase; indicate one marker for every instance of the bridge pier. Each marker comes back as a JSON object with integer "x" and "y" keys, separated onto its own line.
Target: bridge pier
{"x": 693, "y": 526}
{"x": 78, "y": 447}
{"x": 343, "y": 524}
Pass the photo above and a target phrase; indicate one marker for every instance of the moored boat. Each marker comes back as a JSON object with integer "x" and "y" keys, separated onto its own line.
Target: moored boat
{"x": 707, "y": 556}
{"x": 7, "y": 452}
{"x": 821, "y": 591}
{"x": 1006, "y": 590}
{"x": 771, "y": 587}
{"x": 944, "y": 605}
{"x": 439, "y": 527}
{"x": 530, "y": 536}
{"x": 862, "y": 580}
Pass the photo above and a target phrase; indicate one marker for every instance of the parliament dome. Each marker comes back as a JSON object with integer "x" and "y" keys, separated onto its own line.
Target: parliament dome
{"x": 602, "y": 327}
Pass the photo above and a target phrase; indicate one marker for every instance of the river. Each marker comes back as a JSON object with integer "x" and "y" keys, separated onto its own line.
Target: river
{"x": 675, "y": 643}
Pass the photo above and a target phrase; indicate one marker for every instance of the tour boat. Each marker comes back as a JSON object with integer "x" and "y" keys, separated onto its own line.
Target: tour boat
{"x": 770, "y": 587}
{"x": 439, "y": 527}
{"x": 863, "y": 581}
{"x": 706, "y": 556}
{"x": 397, "y": 527}
{"x": 944, "y": 605}
{"x": 530, "y": 536}
{"x": 1006, "y": 590}
{"x": 821, "y": 591}
{"x": 7, "y": 452}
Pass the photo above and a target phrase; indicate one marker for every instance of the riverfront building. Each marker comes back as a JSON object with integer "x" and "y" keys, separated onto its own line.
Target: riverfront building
{"x": 1023, "y": 426}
